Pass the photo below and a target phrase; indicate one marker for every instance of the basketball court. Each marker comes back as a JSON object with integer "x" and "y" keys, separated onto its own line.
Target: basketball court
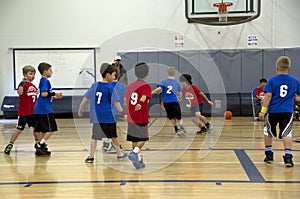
{"x": 219, "y": 42}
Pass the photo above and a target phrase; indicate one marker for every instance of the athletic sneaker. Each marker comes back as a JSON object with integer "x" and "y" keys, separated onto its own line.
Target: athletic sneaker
{"x": 121, "y": 157}
{"x": 8, "y": 148}
{"x": 106, "y": 145}
{"x": 135, "y": 160}
{"x": 89, "y": 159}
{"x": 269, "y": 158}
{"x": 182, "y": 129}
{"x": 38, "y": 153}
{"x": 42, "y": 149}
{"x": 181, "y": 133}
{"x": 209, "y": 126}
{"x": 112, "y": 149}
{"x": 202, "y": 130}
{"x": 288, "y": 161}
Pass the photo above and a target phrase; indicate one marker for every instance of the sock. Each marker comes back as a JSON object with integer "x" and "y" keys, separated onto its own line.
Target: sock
{"x": 288, "y": 153}
{"x": 176, "y": 128}
{"x": 181, "y": 125}
{"x": 139, "y": 157}
{"x": 207, "y": 124}
{"x": 11, "y": 143}
{"x": 136, "y": 150}
{"x": 268, "y": 149}
{"x": 43, "y": 141}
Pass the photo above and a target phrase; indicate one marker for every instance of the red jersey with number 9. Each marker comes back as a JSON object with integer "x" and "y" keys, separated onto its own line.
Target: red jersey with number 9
{"x": 27, "y": 99}
{"x": 133, "y": 95}
{"x": 192, "y": 95}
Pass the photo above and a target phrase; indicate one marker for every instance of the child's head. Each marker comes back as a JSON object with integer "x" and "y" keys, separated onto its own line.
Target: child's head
{"x": 263, "y": 82}
{"x": 29, "y": 72}
{"x": 171, "y": 71}
{"x": 108, "y": 72}
{"x": 141, "y": 70}
{"x": 185, "y": 80}
{"x": 45, "y": 69}
{"x": 283, "y": 64}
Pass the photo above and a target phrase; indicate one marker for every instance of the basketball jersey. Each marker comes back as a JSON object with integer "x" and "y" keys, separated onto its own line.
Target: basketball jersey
{"x": 192, "y": 95}
{"x": 170, "y": 88}
{"x": 133, "y": 94}
{"x": 100, "y": 96}
{"x": 27, "y": 100}
{"x": 43, "y": 105}
{"x": 283, "y": 88}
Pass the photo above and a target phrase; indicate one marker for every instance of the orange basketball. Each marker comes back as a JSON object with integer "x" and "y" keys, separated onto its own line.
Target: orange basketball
{"x": 228, "y": 115}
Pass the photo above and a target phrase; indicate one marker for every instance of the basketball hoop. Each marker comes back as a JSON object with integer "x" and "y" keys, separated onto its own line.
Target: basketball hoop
{"x": 222, "y": 10}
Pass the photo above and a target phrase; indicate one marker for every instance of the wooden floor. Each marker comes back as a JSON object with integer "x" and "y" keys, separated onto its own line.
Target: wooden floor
{"x": 227, "y": 163}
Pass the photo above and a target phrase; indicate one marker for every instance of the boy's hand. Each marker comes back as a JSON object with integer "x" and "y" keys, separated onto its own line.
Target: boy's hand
{"x": 211, "y": 103}
{"x": 261, "y": 116}
{"x": 137, "y": 107}
{"x": 80, "y": 111}
{"x": 58, "y": 95}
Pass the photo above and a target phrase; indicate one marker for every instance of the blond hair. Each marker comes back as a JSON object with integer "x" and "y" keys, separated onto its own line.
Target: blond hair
{"x": 283, "y": 62}
{"x": 171, "y": 71}
{"x": 27, "y": 69}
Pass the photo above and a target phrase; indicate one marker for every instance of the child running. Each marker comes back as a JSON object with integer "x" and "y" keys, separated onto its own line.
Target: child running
{"x": 194, "y": 97}
{"x": 137, "y": 98}
{"x": 171, "y": 95}
{"x": 27, "y": 97}
{"x": 104, "y": 125}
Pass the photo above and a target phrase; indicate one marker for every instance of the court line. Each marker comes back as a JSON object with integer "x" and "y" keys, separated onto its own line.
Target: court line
{"x": 122, "y": 182}
{"x": 249, "y": 167}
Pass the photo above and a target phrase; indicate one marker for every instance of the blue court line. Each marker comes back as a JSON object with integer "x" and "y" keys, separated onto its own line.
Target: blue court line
{"x": 153, "y": 149}
{"x": 252, "y": 172}
{"x": 124, "y": 182}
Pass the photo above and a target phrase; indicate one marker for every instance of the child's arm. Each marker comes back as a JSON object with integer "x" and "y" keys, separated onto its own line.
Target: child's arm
{"x": 55, "y": 94}
{"x": 179, "y": 96}
{"x": 21, "y": 87}
{"x": 119, "y": 108}
{"x": 205, "y": 97}
{"x": 264, "y": 105}
{"x": 81, "y": 106}
{"x": 139, "y": 106}
{"x": 157, "y": 90}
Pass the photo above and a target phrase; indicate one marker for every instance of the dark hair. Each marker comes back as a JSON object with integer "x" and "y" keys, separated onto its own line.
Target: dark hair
{"x": 43, "y": 67}
{"x": 106, "y": 68}
{"x": 141, "y": 70}
{"x": 186, "y": 78}
{"x": 263, "y": 80}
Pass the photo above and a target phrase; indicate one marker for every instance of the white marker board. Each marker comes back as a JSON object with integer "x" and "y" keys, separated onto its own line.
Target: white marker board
{"x": 73, "y": 68}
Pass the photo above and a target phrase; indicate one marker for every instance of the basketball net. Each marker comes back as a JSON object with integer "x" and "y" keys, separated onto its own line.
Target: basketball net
{"x": 222, "y": 10}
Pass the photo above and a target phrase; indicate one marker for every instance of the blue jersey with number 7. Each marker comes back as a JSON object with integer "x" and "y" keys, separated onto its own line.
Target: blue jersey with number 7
{"x": 283, "y": 88}
{"x": 100, "y": 96}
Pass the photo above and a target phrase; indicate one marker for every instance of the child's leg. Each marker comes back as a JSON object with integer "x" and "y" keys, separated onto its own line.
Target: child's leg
{"x": 93, "y": 147}
{"x": 175, "y": 124}
{"x": 15, "y": 135}
{"x": 137, "y": 149}
{"x": 116, "y": 143}
{"x": 46, "y": 137}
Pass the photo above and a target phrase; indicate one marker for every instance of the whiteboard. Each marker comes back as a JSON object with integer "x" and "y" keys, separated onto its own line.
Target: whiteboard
{"x": 73, "y": 68}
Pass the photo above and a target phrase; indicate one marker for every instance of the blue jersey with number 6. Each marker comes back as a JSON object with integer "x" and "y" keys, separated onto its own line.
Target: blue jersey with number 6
{"x": 170, "y": 88}
{"x": 100, "y": 96}
{"x": 283, "y": 88}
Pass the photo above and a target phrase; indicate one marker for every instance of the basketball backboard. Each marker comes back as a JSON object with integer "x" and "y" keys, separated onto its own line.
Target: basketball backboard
{"x": 208, "y": 11}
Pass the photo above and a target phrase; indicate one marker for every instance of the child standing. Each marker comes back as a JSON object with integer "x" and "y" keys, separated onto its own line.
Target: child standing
{"x": 278, "y": 107}
{"x": 194, "y": 97}
{"x": 27, "y": 97}
{"x": 100, "y": 97}
{"x": 171, "y": 94}
{"x": 137, "y": 97}
{"x": 45, "y": 121}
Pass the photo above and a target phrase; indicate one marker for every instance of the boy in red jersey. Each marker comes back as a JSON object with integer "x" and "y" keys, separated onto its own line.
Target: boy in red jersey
{"x": 27, "y": 97}
{"x": 137, "y": 97}
{"x": 194, "y": 97}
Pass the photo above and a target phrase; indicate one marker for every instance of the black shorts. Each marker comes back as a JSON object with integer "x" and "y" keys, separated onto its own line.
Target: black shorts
{"x": 45, "y": 123}
{"x": 285, "y": 121}
{"x": 173, "y": 110}
{"x": 23, "y": 120}
{"x": 137, "y": 132}
{"x": 107, "y": 130}
{"x": 197, "y": 108}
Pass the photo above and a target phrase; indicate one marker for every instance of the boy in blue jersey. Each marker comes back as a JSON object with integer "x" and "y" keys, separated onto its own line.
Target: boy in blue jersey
{"x": 45, "y": 121}
{"x": 277, "y": 107}
{"x": 100, "y": 95}
{"x": 171, "y": 94}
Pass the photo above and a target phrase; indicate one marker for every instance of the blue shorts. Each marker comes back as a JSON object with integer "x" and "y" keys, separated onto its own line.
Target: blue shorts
{"x": 195, "y": 109}
{"x": 23, "y": 120}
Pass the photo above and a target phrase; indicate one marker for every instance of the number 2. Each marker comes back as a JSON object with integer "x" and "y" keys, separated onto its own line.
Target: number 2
{"x": 283, "y": 90}
{"x": 169, "y": 90}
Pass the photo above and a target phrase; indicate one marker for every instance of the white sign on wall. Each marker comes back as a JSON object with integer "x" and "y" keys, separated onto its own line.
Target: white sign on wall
{"x": 252, "y": 41}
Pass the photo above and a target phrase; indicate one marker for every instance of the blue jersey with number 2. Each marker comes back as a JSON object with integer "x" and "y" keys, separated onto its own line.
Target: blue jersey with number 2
{"x": 170, "y": 88}
{"x": 283, "y": 88}
{"x": 100, "y": 96}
